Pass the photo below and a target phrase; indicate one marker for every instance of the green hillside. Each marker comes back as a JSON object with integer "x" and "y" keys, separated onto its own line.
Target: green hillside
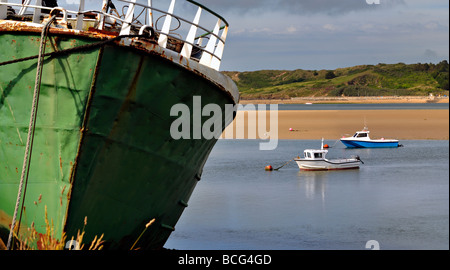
{"x": 367, "y": 80}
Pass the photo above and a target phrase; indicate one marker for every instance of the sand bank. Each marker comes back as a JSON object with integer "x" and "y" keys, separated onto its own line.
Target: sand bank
{"x": 333, "y": 124}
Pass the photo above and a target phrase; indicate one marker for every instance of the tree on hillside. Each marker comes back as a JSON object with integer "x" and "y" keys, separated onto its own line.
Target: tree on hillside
{"x": 441, "y": 75}
{"x": 330, "y": 75}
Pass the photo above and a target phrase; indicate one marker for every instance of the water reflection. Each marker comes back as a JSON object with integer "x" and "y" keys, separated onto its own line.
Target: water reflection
{"x": 314, "y": 183}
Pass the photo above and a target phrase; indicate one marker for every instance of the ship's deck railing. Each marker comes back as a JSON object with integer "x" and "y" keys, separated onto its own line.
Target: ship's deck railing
{"x": 177, "y": 33}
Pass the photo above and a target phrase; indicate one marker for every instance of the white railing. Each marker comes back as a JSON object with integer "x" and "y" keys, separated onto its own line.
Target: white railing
{"x": 184, "y": 26}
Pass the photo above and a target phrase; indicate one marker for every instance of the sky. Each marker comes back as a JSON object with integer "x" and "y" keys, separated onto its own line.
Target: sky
{"x": 330, "y": 34}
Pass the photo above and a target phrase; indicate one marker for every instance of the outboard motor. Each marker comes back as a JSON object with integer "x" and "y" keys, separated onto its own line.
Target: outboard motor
{"x": 358, "y": 158}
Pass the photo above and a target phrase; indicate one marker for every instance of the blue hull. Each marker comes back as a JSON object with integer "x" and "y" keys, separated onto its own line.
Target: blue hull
{"x": 365, "y": 144}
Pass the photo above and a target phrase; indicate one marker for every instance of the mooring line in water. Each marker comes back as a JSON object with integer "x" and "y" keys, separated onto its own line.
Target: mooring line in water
{"x": 283, "y": 165}
{"x": 335, "y": 143}
{"x": 31, "y": 128}
{"x": 270, "y": 168}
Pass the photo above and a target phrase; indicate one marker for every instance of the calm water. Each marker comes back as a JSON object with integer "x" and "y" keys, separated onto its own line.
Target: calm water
{"x": 399, "y": 197}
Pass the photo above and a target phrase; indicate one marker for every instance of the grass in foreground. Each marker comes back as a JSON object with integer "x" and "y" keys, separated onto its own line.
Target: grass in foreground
{"x": 33, "y": 240}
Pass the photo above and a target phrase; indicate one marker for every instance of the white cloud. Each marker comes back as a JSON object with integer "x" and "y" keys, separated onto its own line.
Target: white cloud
{"x": 291, "y": 29}
{"x": 329, "y": 27}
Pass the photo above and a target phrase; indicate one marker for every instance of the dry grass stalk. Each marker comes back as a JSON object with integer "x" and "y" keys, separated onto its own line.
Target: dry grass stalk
{"x": 146, "y": 227}
{"x": 33, "y": 240}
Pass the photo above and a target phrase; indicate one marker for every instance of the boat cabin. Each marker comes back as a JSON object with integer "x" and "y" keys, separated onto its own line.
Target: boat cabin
{"x": 314, "y": 154}
{"x": 361, "y": 134}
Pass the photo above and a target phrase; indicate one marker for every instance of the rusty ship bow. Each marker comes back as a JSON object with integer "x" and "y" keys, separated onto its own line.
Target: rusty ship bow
{"x": 101, "y": 82}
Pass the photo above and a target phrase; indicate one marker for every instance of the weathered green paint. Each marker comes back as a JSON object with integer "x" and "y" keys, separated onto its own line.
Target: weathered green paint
{"x": 65, "y": 86}
{"x": 102, "y": 148}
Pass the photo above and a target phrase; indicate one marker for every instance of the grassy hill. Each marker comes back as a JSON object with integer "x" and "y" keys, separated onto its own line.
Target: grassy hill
{"x": 366, "y": 80}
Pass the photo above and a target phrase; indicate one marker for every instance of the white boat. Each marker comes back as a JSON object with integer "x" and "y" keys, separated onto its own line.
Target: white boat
{"x": 361, "y": 139}
{"x": 315, "y": 160}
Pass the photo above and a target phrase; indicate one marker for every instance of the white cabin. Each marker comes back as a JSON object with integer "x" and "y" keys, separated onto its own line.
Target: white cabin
{"x": 314, "y": 154}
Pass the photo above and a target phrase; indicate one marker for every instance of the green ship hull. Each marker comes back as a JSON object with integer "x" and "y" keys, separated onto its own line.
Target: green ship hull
{"x": 102, "y": 148}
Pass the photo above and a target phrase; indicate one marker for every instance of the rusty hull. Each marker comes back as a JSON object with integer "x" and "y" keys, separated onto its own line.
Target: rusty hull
{"x": 102, "y": 146}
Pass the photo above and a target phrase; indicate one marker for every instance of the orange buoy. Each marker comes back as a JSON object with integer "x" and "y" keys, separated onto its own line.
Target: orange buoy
{"x": 325, "y": 146}
{"x": 268, "y": 168}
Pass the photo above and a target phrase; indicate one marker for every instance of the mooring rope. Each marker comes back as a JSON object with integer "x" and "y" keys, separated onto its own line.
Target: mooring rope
{"x": 335, "y": 143}
{"x": 31, "y": 127}
{"x": 283, "y": 165}
{"x": 71, "y": 50}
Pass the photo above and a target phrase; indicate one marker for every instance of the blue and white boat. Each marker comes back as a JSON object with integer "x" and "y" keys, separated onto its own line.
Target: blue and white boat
{"x": 361, "y": 139}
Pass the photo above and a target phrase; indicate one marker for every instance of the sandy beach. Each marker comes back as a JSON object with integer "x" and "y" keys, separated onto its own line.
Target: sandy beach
{"x": 333, "y": 124}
